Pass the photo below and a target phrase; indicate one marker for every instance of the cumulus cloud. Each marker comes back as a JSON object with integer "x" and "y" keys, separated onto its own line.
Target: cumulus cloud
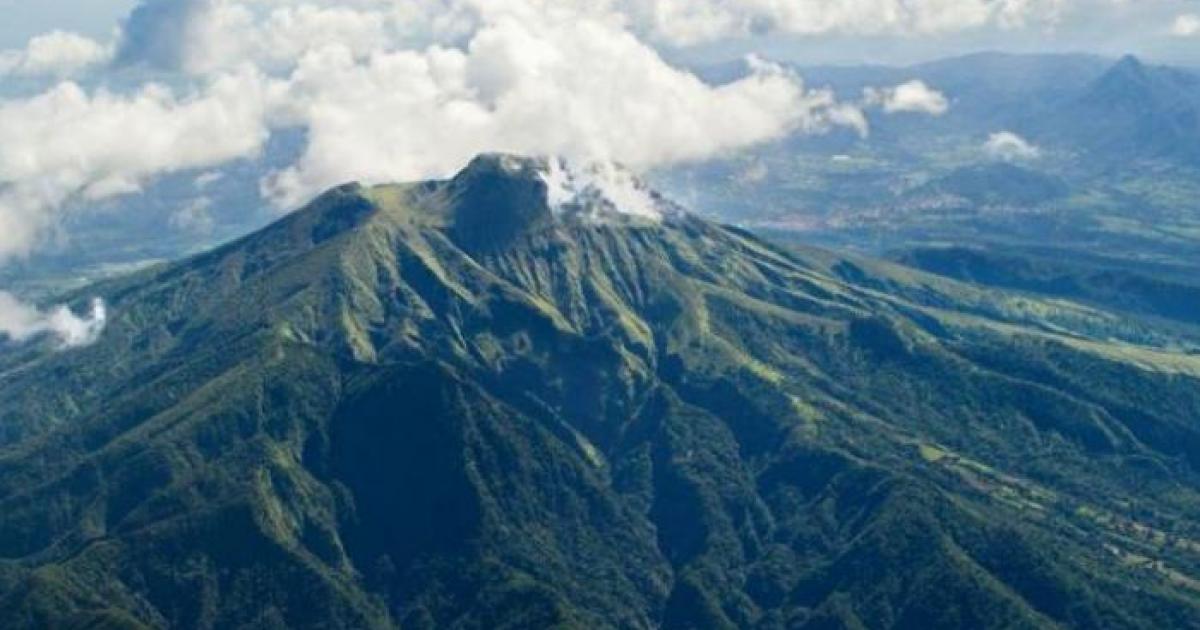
{"x": 210, "y": 36}
{"x": 1008, "y": 146}
{"x": 1186, "y": 25}
{"x": 55, "y": 54}
{"x": 910, "y": 97}
{"x": 177, "y": 33}
{"x": 67, "y": 144}
{"x": 20, "y": 322}
{"x": 394, "y": 90}
{"x": 540, "y": 83}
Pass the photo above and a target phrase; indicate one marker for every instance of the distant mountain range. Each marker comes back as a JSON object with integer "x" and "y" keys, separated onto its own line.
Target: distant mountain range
{"x": 1083, "y": 102}
{"x": 452, "y": 405}
{"x": 987, "y": 91}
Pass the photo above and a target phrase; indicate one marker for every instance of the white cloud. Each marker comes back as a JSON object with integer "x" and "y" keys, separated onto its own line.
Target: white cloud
{"x": 910, "y": 97}
{"x": 55, "y": 54}
{"x": 545, "y": 83}
{"x": 211, "y": 36}
{"x": 1006, "y": 145}
{"x": 181, "y": 33}
{"x": 395, "y": 90}
{"x": 1186, "y": 25}
{"x": 68, "y": 144}
{"x": 599, "y": 190}
{"x": 20, "y": 322}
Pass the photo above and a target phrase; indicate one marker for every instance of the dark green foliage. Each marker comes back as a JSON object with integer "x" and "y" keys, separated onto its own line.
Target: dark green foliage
{"x": 1166, "y": 293}
{"x": 389, "y": 410}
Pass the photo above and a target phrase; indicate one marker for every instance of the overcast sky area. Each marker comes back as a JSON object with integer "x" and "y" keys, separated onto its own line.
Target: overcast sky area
{"x": 24, "y": 19}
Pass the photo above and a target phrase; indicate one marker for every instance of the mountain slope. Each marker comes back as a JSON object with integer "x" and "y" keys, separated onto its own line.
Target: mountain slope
{"x": 452, "y": 405}
{"x": 1131, "y": 111}
{"x": 1152, "y": 290}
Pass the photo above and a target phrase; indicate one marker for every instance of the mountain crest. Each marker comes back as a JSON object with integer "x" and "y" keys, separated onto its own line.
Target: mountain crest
{"x": 496, "y": 198}
{"x": 1130, "y": 64}
{"x": 499, "y": 197}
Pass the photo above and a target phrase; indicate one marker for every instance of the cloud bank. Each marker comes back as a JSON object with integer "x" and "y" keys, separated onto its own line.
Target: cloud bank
{"x": 580, "y": 89}
{"x": 69, "y": 144}
{"x": 385, "y": 91}
{"x": 20, "y": 322}
{"x": 396, "y": 90}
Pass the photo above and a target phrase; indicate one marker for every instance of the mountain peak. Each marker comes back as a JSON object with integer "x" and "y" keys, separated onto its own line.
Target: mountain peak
{"x": 498, "y": 197}
{"x": 492, "y": 201}
{"x": 1128, "y": 84}
{"x": 504, "y": 165}
{"x": 1130, "y": 63}
{"x": 1128, "y": 72}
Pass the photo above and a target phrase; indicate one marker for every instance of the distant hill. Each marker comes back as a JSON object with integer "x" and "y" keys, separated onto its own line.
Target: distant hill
{"x": 1117, "y": 284}
{"x": 1132, "y": 111}
{"x": 997, "y": 183}
{"x": 1113, "y": 111}
{"x": 985, "y": 89}
{"x": 988, "y": 92}
{"x": 452, "y": 405}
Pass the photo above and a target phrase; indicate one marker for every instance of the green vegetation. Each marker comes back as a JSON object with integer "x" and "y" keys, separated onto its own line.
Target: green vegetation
{"x": 443, "y": 406}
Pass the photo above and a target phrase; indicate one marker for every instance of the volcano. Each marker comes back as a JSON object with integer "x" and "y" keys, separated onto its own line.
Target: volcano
{"x": 468, "y": 404}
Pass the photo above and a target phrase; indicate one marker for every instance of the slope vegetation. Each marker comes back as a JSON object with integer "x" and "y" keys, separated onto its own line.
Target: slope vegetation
{"x": 452, "y": 405}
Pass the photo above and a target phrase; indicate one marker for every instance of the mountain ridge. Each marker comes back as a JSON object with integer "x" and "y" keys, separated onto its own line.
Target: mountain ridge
{"x": 366, "y": 416}
{"x": 1133, "y": 109}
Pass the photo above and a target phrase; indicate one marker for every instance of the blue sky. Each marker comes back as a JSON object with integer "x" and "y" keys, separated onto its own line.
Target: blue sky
{"x": 24, "y": 19}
